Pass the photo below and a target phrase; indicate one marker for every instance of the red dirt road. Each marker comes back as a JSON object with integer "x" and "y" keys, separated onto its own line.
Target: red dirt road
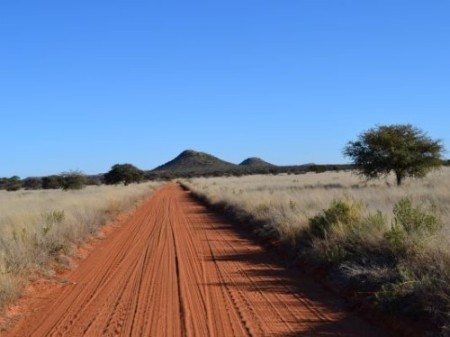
{"x": 175, "y": 269}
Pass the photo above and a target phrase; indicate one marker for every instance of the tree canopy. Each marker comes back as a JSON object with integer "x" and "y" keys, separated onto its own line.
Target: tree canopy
{"x": 10, "y": 184}
{"x": 124, "y": 173}
{"x": 403, "y": 149}
{"x": 72, "y": 180}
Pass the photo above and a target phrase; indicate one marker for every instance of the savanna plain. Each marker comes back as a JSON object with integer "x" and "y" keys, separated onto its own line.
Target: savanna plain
{"x": 385, "y": 247}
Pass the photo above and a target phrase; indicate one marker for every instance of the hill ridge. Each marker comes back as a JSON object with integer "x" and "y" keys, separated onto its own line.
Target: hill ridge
{"x": 196, "y": 162}
{"x": 255, "y": 162}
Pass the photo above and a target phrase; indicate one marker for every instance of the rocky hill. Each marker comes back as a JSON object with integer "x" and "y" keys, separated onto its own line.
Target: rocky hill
{"x": 190, "y": 161}
{"x": 255, "y": 162}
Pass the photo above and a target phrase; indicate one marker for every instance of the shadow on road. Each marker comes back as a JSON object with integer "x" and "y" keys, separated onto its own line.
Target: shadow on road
{"x": 264, "y": 272}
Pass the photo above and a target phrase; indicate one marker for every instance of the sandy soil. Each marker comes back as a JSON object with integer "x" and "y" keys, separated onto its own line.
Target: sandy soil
{"x": 175, "y": 269}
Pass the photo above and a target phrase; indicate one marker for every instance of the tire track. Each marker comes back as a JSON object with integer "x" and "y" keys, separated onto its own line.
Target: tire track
{"x": 175, "y": 269}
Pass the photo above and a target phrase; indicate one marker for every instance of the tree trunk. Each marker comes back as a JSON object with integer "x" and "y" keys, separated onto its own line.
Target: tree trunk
{"x": 399, "y": 176}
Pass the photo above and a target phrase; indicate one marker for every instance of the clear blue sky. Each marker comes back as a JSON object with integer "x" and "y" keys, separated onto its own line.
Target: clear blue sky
{"x": 87, "y": 84}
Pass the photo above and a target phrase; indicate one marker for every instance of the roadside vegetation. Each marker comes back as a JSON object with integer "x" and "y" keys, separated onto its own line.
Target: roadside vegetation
{"x": 373, "y": 241}
{"x": 38, "y": 229}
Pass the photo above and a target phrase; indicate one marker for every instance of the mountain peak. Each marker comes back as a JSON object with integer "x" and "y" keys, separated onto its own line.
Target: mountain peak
{"x": 190, "y": 161}
{"x": 255, "y": 162}
{"x": 188, "y": 153}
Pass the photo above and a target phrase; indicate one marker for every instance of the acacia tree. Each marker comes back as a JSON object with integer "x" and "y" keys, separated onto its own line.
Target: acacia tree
{"x": 72, "y": 180}
{"x": 403, "y": 149}
{"x": 32, "y": 183}
{"x": 51, "y": 182}
{"x": 125, "y": 173}
{"x": 12, "y": 184}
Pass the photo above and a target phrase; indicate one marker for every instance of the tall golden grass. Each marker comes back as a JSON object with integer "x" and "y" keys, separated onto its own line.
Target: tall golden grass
{"x": 293, "y": 199}
{"x": 39, "y": 227}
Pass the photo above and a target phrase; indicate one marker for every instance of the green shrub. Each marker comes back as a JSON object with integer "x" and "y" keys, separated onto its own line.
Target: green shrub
{"x": 416, "y": 219}
{"x": 344, "y": 212}
{"x": 374, "y": 222}
{"x": 410, "y": 226}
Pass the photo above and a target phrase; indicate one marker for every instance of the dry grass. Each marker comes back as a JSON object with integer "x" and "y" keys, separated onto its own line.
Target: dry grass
{"x": 294, "y": 199}
{"x": 347, "y": 226}
{"x": 40, "y": 227}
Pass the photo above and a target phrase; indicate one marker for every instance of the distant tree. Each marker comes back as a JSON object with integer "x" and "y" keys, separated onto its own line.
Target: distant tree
{"x": 10, "y": 184}
{"x": 3, "y": 182}
{"x": 51, "y": 182}
{"x": 32, "y": 183}
{"x": 72, "y": 180}
{"x": 317, "y": 168}
{"x": 124, "y": 173}
{"x": 94, "y": 180}
{"x": 150, "y": 176}
{"x": 403, "y": 149}
{"x": 13, "y": 184}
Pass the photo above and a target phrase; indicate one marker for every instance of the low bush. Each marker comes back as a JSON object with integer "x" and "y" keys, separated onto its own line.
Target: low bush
{"x": 392, "y": 262}
{"x": 416, "y": 220}
{"x": 341, "y": 212}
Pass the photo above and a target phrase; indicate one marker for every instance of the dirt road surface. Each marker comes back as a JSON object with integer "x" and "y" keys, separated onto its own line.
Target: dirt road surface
{"x": 175, "y": 269}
